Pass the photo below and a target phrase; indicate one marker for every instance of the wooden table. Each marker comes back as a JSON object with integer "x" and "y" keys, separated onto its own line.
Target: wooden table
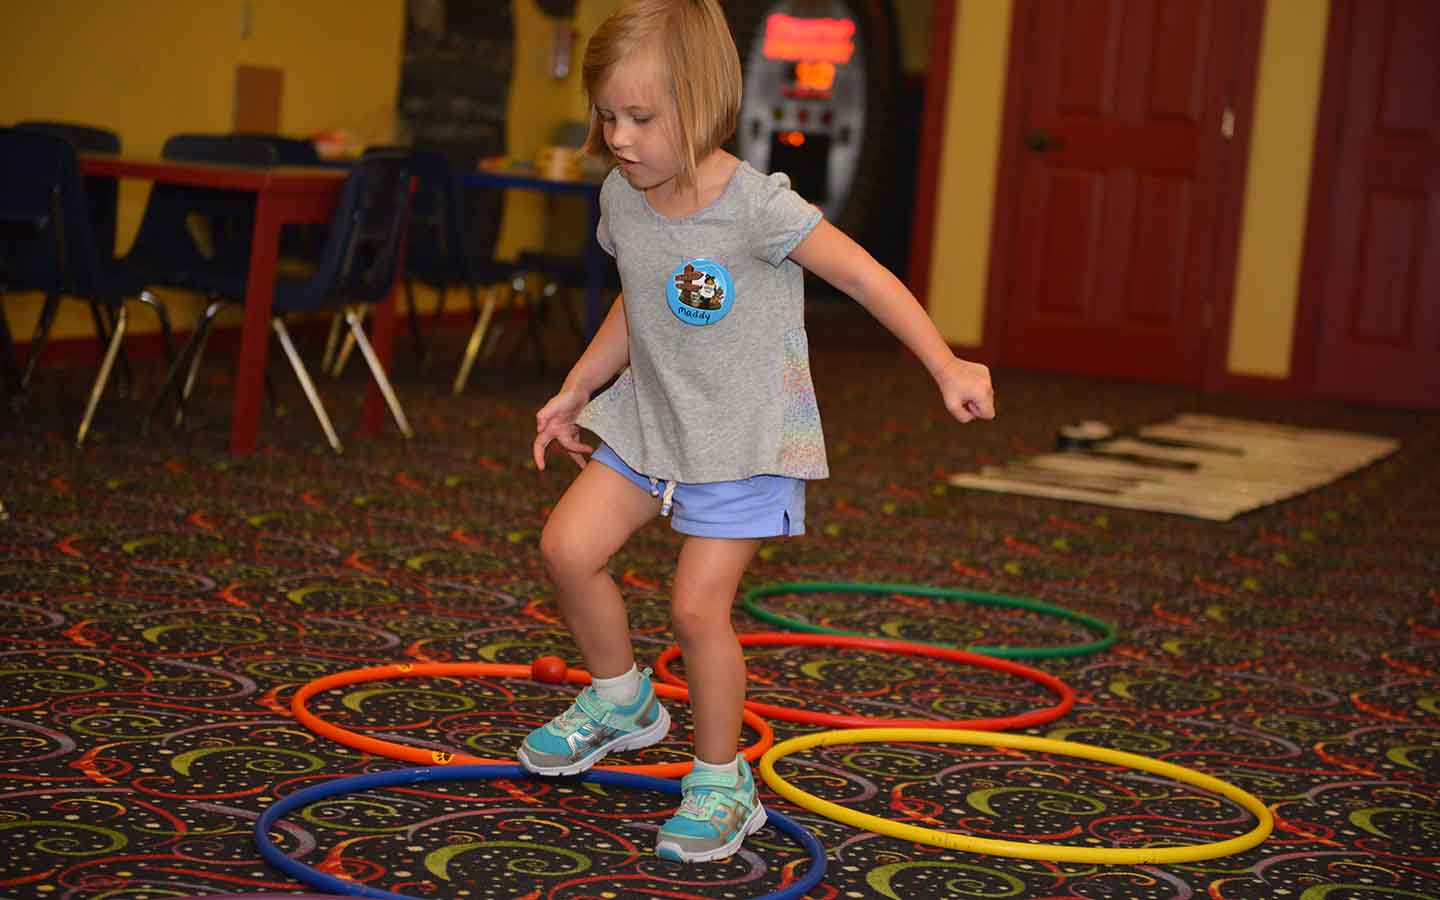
{"x": 284, "y": 195}
{"x": 510, "y": 177}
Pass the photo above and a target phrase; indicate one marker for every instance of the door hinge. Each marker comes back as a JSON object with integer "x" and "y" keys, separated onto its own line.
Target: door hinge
{"x": 1227, "y": 123}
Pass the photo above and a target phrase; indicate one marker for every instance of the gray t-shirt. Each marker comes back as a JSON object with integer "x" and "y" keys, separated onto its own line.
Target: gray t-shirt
{"x": 718, "y": 386}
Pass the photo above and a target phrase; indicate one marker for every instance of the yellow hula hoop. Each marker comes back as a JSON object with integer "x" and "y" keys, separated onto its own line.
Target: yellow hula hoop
{"x": 1018, "y": 849}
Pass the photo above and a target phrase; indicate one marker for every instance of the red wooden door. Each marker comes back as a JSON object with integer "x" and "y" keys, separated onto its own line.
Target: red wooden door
{"x": 1119, "y": 133}
{"x": 1372, "y": 292}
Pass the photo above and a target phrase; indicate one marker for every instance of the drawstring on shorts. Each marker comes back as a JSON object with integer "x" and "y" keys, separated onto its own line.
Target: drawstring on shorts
{"x": 666, "y": 497}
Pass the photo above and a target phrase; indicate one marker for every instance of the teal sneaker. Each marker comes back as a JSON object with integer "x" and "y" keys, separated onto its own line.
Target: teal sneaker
{"x": 580, "y": 737}
{"x": 715, "y": 816}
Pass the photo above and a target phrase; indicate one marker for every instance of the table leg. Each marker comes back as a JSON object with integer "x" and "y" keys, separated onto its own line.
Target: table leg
{"x": 255, "y": 335}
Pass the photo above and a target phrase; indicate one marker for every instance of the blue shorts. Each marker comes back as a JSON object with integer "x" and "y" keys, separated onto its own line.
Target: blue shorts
{"x": 760, "y": 506}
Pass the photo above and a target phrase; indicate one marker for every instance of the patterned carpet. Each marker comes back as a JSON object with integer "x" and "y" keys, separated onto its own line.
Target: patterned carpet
{"x": 163, "y": 601}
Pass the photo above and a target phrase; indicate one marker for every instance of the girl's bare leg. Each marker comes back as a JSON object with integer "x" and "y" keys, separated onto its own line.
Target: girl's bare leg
{"x": 705, "y": 583}
{"x": 594, "y": 518}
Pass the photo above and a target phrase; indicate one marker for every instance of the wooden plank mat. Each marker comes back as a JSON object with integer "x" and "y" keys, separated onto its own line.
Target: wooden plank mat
{"x": 1207, "y": 467}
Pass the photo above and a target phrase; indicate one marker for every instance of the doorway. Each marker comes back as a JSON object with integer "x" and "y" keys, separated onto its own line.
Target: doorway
{"x": 1121, "y": 176}
{"x": 1369, "y": 314}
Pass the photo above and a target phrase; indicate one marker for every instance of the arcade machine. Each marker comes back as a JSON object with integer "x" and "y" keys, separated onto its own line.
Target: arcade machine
{"x": 820, "y": 83}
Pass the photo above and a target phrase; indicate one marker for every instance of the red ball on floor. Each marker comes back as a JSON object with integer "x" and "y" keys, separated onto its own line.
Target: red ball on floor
{"x": 549, "y": 669}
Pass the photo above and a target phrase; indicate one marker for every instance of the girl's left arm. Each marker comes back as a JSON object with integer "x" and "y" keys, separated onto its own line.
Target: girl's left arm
{"x": 834, "y": 256}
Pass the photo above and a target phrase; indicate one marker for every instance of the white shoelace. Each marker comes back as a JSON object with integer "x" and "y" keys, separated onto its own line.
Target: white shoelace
{"x": 666, "y": 498}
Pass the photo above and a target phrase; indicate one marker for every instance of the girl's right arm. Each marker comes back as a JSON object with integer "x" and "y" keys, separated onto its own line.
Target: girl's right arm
{"x": 607, "y": 353}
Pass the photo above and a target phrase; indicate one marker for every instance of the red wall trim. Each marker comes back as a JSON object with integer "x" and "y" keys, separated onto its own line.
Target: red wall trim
{"x": 1260, "y": 386}
{"x": 932, "y": 136}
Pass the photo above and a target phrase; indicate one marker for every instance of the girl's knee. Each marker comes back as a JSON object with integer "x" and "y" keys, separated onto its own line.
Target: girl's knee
{"x": 564, "y": 553}
{"x": 695, "y": 619}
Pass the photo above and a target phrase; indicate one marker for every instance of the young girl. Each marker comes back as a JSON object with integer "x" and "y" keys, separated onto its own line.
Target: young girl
{"x": 712, "y": 420}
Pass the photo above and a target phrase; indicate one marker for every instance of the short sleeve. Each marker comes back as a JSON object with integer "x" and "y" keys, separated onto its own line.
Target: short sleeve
{"x": 602, "y": 230}
{"x": 781, "y": 219}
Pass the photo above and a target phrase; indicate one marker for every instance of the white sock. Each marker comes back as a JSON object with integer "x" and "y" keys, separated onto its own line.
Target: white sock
{"x": 730, "y": 768}
{"x": 621, "y": 689}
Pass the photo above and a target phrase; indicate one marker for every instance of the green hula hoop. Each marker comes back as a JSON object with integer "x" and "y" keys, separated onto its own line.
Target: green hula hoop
{"x": 1104, "y": 629}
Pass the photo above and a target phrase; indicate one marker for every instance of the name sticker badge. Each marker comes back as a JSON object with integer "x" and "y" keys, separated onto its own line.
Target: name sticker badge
{"x": 701, "y": 292}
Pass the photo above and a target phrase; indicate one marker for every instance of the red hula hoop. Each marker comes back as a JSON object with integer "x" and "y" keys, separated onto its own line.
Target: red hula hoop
{"x": 949, "y": 654}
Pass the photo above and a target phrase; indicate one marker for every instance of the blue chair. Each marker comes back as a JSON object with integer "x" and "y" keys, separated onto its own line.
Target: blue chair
{"x": 101, "y": 192}
{"x": 86, "y": 138}
{"x": 102, "y": 196}
{"x": 357, "y": 267}
{"x": 443, "y": 251}
{"x": 445, "y": 247}
{"x": 166, "y": 251}
{"x": 289, "y": 151}
{"x": 226, "y": 219}
{"x": 298, "y": 243}
{"x": 54, "y": 249}
{"x": 14, "y": 226}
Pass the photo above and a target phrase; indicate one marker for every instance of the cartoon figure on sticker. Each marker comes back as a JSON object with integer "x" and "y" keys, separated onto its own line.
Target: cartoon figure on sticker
{"x": 701, "y": 292}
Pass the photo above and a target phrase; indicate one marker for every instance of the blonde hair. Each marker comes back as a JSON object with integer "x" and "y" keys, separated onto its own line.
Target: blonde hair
{"x": 698, "y": 64}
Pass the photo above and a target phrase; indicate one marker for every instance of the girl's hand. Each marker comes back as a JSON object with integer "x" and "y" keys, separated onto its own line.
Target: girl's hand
{"x": 556, "y": 422}
{"x": 967, "y": 390}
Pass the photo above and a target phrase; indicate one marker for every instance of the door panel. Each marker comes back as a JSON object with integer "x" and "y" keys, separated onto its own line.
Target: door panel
{"x": 1113, "y": 252}
{"x": 1377, "y": 326}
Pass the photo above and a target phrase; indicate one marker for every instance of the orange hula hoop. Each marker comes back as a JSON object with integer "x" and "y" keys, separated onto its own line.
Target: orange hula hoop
{"x": 407, "y": 753}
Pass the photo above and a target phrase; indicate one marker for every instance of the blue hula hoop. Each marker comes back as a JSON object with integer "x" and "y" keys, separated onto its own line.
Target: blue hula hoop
{"x": 403, "y": 777}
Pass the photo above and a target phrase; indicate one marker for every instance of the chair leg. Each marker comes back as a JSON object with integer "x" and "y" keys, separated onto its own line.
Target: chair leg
{"x": 441, "y": 292}
{"x": 163, "y": 315}
{"x": 413, "y": 314}
{"x": 533, "y": 324}
{"x": 193, "y": 371}
{"x": 306, "y": 384}
{"x": 347, "y": 346}
{"x": 516, "y": 290}
{"x": 38, "y": 339}
{"x": 557, "y": 294}
{"x": 526, "y": 316}
{"x": 111, "y": 351}
{"x": 7, "y": 355}
{"x": 568, "y": 307}
{"x": 190, "y": 354}
{"x": 101, "y": 314}
{"x": 332, "y": 342}
{"x": 271, "y": 395}
{"x": 474, "y": 301}
{"x": 477, "y": 338}
{"x": 357, "y": 331}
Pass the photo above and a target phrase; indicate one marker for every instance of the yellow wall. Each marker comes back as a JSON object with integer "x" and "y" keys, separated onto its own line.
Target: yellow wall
{"x": 538, "y": 104}
{"x": 1287, "y": 100}
{"x": 1267, "y": 282}
{"x": 154, "y": 68}
{"x": 975, "y": 104}
{"x": 151, "y": 68}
